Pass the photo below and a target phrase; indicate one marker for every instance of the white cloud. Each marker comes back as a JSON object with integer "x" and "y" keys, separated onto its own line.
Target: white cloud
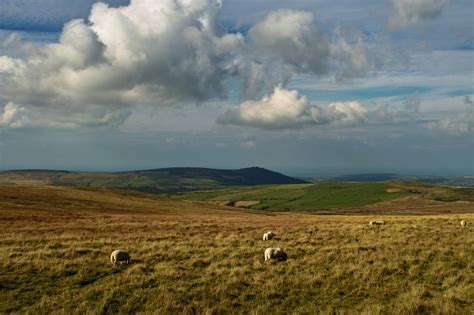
{"x": 146, "y": 53}
{"x": 162, "y": 53}
{"x": 16, "y": 116}
{"x": 11, "y": 66}
{"x": 10, "y": 116}
{"x": 282, "y": 109}
{"x": 285, "y": 109}
{"x": 408, "y": 12}
{"x": 289, "y": 41}
{"x": 294, "y": 37}
{"x": 351, "y": 59}
{"x": 348, "y": 113}
{"x": 459, "y": 124}
{"x": 165, "y": 50}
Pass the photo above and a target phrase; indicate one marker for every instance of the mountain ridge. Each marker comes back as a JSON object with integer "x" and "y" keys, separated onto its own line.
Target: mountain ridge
{"x": 159, "y": 180}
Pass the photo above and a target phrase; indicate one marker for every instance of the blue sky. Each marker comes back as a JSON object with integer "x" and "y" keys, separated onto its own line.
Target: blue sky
{"x": 303, "y": 86}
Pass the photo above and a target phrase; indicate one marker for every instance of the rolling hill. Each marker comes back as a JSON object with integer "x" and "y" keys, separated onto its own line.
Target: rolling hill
{"x": 339, "y": 197}
{"x": 163, "y": 180}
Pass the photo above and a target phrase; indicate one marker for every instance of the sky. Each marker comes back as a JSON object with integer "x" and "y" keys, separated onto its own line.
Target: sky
{"x": 305, "y": 87}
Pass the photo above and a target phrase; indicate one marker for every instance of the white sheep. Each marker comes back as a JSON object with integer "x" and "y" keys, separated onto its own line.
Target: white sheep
{"x": 463, "y": 223}
{"x": 377, "y": 222}
{"x": 268, "y": 236}
{"x": 120, "y": 256}
{"x": 276, "y": 254}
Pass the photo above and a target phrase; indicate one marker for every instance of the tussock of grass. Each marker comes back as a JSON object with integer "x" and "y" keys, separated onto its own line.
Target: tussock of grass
{"x": 199, "y": 258}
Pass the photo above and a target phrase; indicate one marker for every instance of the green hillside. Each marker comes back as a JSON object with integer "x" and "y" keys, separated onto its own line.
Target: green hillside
{"x": 302, "y": 196}
{"x": 327, "y": 195}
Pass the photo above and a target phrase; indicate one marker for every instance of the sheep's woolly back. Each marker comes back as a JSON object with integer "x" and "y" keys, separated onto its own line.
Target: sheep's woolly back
{"x": 268, "y": 236}
{"x": 119, "y": 255}
{"x": 276, "y": 254}
{"x": 377, "y": 222}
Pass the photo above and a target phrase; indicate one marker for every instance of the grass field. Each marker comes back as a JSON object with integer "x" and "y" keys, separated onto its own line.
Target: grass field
{"x": 328, "y": 195}
{"x": 194, "y": 257}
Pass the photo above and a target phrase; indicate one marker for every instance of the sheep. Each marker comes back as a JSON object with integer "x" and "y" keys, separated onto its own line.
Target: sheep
{"x": 463, "y": 223}
{"x": 377, "y": 222}
{"x": 276, "y": 254}
{"x": 120, "y": 256}
{"x": 268, "y": 236}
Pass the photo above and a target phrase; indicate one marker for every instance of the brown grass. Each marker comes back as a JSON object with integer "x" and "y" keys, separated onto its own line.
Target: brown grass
{"x": 202, "y": 258}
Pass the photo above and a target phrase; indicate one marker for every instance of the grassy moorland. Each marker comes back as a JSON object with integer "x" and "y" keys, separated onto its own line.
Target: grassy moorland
{"x": 327, "y": 195}
{"x": 194, "y": 257}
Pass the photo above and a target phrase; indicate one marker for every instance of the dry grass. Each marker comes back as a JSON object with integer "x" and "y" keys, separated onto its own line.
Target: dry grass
{"x": 201, "y": 258}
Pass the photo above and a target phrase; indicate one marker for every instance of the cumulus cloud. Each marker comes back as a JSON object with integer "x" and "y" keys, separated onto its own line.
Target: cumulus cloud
{"x": 348, "y": 113}
{"x": 146, "y": 53}
{"x": 408, "y": 12}
{"x": 282, "y": 109}
{"x": 16, "y": 116}
{"x": 290, "y": 41}
{"x": 163, "y": 53}
{"x": 458, "y": 124}
{"x": 167, "y": 49}
{"x": 286, "y": 109}
{"x": 294, "y": 37}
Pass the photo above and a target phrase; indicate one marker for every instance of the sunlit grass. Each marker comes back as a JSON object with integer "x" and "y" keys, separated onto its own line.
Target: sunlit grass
{"x": 201, "y": 258}
{"x": 328, "y": 195}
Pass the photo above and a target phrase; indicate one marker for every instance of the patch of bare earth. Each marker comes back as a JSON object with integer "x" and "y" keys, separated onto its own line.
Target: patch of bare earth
{"x": 246, "y": 203}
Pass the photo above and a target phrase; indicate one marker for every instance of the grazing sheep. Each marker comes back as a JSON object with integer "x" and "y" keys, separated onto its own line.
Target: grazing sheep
{"x": 276, "y": 254}
{"x": 120, "y": 256}
{"x": 268, "y": 236}
{"x": 463, "y": 223}
{"x": 377, "y": 222}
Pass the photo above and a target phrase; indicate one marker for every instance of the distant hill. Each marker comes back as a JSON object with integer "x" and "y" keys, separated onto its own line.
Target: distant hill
{"x": 331, "y": 197}
{"x": 462, "y": 181}
{"x": 367, "y": 178}
{"x": 163, "y": 180}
